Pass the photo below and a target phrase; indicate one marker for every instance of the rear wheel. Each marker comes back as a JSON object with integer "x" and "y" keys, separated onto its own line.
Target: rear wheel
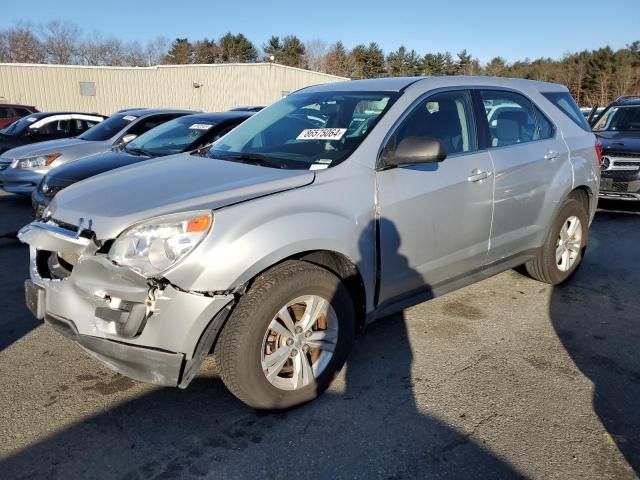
{"x": 288, "y": 336}
{"x": 565, "y": 245}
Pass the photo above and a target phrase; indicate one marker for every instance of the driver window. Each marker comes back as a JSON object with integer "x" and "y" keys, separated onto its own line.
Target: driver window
{"x": 446, "y": 116}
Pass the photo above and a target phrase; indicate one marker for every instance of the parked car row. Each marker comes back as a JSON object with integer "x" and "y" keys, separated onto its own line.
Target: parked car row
{"x": 270, "y": 244}
{"x": 185, "y": 133}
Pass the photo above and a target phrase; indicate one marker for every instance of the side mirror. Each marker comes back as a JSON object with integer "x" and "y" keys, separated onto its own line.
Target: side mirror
{"x": 33, "y": 132}
{"x": 128, "y": 138}
{"x": 413, "y": 150}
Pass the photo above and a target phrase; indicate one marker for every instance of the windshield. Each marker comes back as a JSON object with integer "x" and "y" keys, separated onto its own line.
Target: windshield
{"x": 17, "y": 128}
{"x": 619, "y": 119}
{"x": 171, "y": 137}
{"x": 108, "y": 128}
{"x": 306, "y": 130}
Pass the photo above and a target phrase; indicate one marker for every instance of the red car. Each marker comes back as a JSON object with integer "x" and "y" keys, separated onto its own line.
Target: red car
{"x": 9, "y": 113}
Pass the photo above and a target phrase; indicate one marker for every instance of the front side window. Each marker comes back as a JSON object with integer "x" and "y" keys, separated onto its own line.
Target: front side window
{"x": 623, "y": 118}
{"x": 149, "y": 123}
{"x": 108, "y": 128}
{"x": 447, "y": 117}
{"x": 171, "y": 137}
{"x": 306, "y": 130}
{"x": 511, "y": 118}
{"x": 57, "y": 127}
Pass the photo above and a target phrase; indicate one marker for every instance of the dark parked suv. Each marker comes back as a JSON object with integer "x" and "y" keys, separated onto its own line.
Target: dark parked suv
{"x": 618, "y": 128}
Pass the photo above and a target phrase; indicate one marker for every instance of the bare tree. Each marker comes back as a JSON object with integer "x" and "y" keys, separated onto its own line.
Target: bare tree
{"x": 60, "y": 41}
{"x": 20, "y": 44}
{"x": 315, "y": 53}
{"x": 156, "y": 50}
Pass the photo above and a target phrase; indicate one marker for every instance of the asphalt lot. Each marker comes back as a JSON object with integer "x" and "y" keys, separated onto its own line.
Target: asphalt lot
{"x": 508, "y": 378}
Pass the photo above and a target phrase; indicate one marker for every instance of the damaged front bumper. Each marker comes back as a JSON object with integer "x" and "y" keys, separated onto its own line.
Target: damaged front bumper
{"x": 146, "y": 329}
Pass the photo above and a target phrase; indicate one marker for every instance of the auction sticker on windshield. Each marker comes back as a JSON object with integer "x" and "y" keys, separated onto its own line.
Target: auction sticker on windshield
{"x": 322, "y": 134}
{"x": 129, "y": 118}
{"x": 200, "y": 126}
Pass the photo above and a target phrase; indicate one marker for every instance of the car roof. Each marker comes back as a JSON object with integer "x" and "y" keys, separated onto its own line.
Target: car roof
{"x": 398, "y": 84}
{"x": 40, "y": 115}
{"x": 16, "y": 105}
{"x": 219, "y": 117}
{"x": 627, "y": 100}
{"x": 143, "y": 112}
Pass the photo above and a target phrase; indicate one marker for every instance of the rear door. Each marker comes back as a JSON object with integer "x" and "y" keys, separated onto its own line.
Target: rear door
{"x": 527, "y": 152}
{"x": 435, "y": 218}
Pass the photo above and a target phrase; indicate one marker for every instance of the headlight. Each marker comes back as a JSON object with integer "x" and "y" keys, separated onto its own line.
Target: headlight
{"x": 35, "y": 162}
{"x": 155, "y": 245}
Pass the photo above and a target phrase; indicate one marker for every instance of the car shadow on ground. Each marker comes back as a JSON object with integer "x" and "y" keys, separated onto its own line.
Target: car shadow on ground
{"x": 14, "y": 259}
{"x": 370, "y": 425}
{"x": 600, "y": 327}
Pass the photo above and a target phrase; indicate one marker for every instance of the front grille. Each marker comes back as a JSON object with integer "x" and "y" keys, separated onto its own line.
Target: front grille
{"x": 627, "y": 164}
{"x": 620, "y": 186}
{"x": 611, "y": 153}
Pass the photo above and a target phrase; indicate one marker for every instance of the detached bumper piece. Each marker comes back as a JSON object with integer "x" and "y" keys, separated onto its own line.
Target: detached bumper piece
{"x": 143, "y": 364}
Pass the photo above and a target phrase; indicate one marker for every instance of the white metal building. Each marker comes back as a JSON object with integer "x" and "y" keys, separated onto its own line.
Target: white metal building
{"x": 107, "y": 89}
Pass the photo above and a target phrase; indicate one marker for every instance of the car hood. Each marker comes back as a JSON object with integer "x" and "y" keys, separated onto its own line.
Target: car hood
{"x": 115, "y": 200}
{"x": 39, "y": 148}
{"x": 82, "y": 168}
{"x": 620, "y": 141}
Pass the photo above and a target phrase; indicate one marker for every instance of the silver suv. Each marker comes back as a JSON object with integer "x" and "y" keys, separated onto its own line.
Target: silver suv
{"x": 338, "y": 205}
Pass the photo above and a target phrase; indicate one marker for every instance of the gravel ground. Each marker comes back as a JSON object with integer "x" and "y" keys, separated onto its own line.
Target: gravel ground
{"x": 507, "y": 378}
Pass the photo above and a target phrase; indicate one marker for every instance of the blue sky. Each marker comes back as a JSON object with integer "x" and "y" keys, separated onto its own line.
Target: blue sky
{"x": 513, "y": 29}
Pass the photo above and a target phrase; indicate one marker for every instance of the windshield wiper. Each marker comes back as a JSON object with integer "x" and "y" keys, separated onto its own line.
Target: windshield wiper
{"x": 139, "y": 152}
{"x": 251, "y": 158}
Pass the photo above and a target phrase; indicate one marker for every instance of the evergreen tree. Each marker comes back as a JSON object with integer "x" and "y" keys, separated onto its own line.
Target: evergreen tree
{"x": 181, "y": 52}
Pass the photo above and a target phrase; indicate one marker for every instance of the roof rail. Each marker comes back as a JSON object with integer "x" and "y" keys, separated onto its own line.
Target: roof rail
{"x": 628, "y": 97}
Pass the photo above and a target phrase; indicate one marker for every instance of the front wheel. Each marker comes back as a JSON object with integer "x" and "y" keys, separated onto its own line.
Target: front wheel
{"x": 288, "y": 336}
{"x": 562, "y": 253}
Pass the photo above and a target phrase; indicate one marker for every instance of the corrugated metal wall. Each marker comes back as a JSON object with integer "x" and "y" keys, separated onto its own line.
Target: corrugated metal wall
{"x": 57, "y": 87}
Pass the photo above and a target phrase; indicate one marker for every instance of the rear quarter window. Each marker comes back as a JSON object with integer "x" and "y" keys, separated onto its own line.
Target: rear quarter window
{"x": 567, "y": 105}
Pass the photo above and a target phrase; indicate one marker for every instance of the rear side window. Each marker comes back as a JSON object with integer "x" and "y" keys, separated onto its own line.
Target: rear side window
{"x": 545, "y": 127}
{"x": 511, "y": 118}
{"x": 567, "y": 105}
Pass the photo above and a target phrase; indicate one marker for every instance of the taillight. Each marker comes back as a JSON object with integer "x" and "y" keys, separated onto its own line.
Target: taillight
{"x": 599, "y": 148}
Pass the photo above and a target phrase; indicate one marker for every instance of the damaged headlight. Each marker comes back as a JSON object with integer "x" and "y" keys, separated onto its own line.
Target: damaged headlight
{"x": 35, "y": 162}
{"x": 155, "y": 245}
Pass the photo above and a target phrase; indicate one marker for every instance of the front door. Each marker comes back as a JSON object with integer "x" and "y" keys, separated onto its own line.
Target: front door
{"x": 435, "y": 219}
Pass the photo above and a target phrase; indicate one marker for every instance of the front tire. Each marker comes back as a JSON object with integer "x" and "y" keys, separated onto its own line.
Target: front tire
{"x": 563, "y": 250}
{"x": 288, "y": 337}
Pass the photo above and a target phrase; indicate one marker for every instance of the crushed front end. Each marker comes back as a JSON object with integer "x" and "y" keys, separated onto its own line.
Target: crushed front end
{"x": 144, "y": 328}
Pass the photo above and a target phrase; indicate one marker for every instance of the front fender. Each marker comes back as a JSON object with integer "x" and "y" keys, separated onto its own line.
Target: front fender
{"x": 250, "y": 237}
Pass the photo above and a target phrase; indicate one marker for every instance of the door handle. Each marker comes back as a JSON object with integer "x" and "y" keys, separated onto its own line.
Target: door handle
{"x": 551, "y": 155}
{"x": 478, "y": 175}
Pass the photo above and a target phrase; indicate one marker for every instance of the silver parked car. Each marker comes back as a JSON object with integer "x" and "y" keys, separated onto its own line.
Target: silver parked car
{"x": 22, "y": 168}
{"x": 338, "y": 205}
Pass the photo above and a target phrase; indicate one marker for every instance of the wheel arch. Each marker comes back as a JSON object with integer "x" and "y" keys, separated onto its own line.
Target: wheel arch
{"x": 340, "y": 265}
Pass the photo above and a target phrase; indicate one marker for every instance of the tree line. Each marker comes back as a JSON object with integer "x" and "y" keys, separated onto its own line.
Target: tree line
{"x": 593, "y": 76}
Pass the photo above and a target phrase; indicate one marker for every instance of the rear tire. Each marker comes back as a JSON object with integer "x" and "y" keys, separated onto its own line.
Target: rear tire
{"x": 564, "y": 248}
{"x": 272, "y": 324}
